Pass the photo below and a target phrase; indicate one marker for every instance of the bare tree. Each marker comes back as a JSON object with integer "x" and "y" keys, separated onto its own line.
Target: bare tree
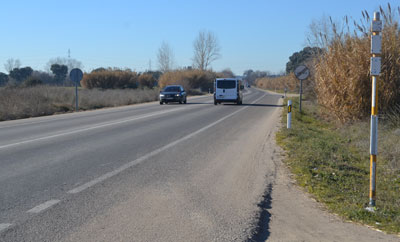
{"x": 206, "y": 50}
{"x": 11, "y": 64}
{"x": 165, "y": 57}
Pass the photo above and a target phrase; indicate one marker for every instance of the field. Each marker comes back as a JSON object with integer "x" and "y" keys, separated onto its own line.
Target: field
{"x": 36, "y": 101}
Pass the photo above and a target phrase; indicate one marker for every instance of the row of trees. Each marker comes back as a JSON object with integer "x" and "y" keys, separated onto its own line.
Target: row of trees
{"x": 57, "y": 74}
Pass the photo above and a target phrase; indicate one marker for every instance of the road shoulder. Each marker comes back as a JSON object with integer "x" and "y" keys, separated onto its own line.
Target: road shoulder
{"x": 296, "y": 216}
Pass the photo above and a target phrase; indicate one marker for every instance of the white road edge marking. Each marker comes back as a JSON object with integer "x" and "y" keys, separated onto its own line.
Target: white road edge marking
{"x": 90, "y": 128}
{"x": 43, "y": 206}
{"x": 153, "y": 153}
{"x": 4, "y": 226}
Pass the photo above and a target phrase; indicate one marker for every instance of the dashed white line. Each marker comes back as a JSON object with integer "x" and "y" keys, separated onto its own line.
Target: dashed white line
{"x": 153, "y": 153}
{"x": 43, "y": 206}
{"x": 4, "y": 226}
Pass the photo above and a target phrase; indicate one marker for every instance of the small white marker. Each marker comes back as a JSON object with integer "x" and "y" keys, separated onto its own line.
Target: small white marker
{"x": 43, "y": 206}
{"x": 4, "y": 226}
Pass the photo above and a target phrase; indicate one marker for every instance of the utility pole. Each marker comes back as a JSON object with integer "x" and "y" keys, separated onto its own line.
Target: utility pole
{"x": 375, "y": 68}
{"x": 149, "y": 64}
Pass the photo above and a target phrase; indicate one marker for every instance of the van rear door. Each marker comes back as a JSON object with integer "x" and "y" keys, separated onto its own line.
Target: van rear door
{"x": 226, "y": 89}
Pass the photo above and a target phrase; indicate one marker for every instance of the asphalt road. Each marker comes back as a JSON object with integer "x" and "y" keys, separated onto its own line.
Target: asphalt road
{"x": 137, "y": 173}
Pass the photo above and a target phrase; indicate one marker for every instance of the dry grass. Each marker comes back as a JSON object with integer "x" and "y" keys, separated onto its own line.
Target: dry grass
{"x": 342, "y": 79}
{"x": 279, "y": 83}
{"x": 46, "y": 100}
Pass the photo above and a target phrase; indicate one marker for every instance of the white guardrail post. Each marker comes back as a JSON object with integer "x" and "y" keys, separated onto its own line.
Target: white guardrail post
{"x": 289, "y": 114}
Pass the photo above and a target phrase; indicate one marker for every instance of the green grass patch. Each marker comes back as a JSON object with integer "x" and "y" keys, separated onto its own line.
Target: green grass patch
{"x": 332, "y": 163}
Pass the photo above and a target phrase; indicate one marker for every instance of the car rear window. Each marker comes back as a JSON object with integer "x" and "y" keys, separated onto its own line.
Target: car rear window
{"x": 172, "y": 89}
{"x": 226, "y": 84}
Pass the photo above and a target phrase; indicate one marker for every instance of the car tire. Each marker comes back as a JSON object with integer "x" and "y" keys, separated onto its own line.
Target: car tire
{"x": 215, "y": 102}
{"x": 161, "y": 103}
{"x": 185, "y": 101}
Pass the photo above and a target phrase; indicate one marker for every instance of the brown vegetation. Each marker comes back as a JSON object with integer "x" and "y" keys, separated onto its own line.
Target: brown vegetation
{"x": 189, "y": 79}
{"x": 113, "y": 79}
{"x": 279, "y": 83}
{"x": 46, "y": 100}
{"x": 342, "y": 79}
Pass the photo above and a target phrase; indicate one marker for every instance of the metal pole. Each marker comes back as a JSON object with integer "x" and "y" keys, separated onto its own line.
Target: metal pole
{"x": 289, "y": 114}
{"x": 76, "y": 97}
{"x": 376, "y": 43}
{"x": 301, "y": 92}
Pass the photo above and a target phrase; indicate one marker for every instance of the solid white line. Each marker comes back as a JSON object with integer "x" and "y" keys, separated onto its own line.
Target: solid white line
{"x": 43, "y": 206}
{"x": 4, "y": 226}
{"x": 90, "y": 128}
{"x": 153, "y": 153}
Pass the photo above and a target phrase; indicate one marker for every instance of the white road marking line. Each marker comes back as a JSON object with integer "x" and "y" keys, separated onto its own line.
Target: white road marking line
{"x": 43, "y": 206}
{"x": 4, "y": 226}
{"x": 90, "y": 128}
{"x": 65, "y": 116}
{"x": 153, "y": 153}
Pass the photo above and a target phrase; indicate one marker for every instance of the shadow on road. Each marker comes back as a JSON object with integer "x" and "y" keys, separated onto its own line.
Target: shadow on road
{"x": 261, "y": 231}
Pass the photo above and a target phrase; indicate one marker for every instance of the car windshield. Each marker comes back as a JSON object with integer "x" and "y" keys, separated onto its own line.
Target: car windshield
{"x": 172, "y": 89}
{"x": 226, "y": 84}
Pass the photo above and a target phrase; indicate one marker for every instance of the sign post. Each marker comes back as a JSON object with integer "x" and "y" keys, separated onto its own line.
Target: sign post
{"x": 301, "y": 72}
{"x": 76, "y": 76}
{"x": 375, "y": 68}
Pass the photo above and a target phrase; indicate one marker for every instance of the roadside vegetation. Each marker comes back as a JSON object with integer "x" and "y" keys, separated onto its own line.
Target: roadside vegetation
{"x": 331, "y": 162}
{"x": 327, "y": 148}
{"x": 25, "y": 92}
{"x": 278, "y": 84}
{"x": 43, "y": 100}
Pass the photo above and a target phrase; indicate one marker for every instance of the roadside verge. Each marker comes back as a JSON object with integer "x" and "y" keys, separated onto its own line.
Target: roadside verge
{"x": 327, "y": 164}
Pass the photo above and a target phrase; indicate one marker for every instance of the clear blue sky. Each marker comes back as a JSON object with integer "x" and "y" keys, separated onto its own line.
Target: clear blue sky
{"x": 253, "y": 34}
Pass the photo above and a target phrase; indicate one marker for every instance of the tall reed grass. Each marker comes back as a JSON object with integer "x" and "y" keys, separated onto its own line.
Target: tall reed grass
{"x": 279, "y": 83}
{"x": 342, "y": 77}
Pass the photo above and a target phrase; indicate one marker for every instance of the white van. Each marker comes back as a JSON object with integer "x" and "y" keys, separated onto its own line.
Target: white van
{"x": 228, "y": 90}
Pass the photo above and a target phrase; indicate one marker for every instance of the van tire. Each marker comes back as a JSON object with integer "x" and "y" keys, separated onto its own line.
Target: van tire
{"x": 215, "y": 102}
{"x": 161, "y": 103}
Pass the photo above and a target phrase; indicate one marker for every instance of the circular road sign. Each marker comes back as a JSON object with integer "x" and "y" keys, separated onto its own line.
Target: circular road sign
{"x": 301, "y": 72}
{"x": 76, "y": 75}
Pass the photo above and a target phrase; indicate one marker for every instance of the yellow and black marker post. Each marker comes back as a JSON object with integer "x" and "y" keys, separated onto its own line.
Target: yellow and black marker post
{"x": 289, "y": 114}
{"x": 376, "y": 49}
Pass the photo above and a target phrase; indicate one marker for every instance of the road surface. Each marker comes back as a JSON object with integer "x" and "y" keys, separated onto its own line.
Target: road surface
{"x": 194, "y": 172}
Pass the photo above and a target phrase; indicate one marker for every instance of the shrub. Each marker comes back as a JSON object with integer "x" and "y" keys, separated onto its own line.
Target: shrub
{"x": 189, "y": 79}
{"x": 146, "y": 80}
{"x": 113, "y": 79}
{"x": 32, "y": 81}
{"x": 280, "y": 83}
